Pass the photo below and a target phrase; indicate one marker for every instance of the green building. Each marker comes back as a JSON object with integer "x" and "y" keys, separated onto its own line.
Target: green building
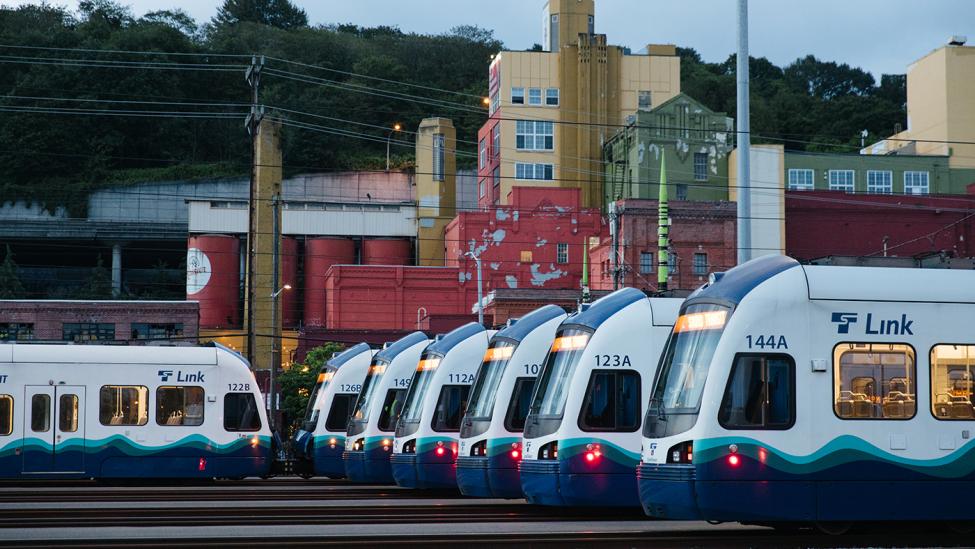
{"x": 697, "y": 141}
{"x": 865, "y": 173}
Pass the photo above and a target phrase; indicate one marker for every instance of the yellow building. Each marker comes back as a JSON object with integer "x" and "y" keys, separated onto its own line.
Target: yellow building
{"x": 940, "y": 107}
{"x": 552, "y": 110}
{"x": 436, "y": 193}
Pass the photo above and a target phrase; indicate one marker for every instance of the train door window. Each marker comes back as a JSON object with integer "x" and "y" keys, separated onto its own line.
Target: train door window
{"x": 450, "y": 408}
{"x": 40, "y": 413}
{"x": 521, "y": 400}
{"x": 179, "y": 405}
{"x": 68, "y": 413}
{"x": 760, "y": 393}
{"x": 612, "y": 402}
{"x": 6, "y": 415}
{"x": 123, "y": 405}
{"x": 340, "y": 412}
{"x": 953, "y": 381}
{"x": 874, "y": 381}
{"x": 240, "y": 412}
{"x": 392, "y": 406}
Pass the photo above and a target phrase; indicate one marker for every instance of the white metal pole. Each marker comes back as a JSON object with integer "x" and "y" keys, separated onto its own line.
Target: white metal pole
{"x": 744, "y": 140}
{"x": 480, "y": 297}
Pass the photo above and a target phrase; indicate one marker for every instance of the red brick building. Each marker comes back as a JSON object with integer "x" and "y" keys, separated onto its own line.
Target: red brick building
{"x": 102, "y": 321}
{"x": 702, "y": 240}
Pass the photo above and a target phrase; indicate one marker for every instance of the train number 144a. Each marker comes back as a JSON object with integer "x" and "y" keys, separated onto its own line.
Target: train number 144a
{"x": 767, "y": 342}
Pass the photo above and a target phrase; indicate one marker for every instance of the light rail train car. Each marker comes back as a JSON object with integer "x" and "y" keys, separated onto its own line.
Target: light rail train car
{"x": 490, "y": 434}
{"x": 319, "y": 444}
{"x": 425, "y": 445}
{"x": 581, "y": 441}
{"x": 816, "y": 394}
{"x": 98, "y": 411}
{"x": 369, "y": 440}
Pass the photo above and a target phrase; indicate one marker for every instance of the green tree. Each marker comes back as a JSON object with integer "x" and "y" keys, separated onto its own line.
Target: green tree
{"x": 274, "y": 13}
{"x": 98, "y": 285}
{"x": 296, "y": 385}
{"x": 10, "y": 285}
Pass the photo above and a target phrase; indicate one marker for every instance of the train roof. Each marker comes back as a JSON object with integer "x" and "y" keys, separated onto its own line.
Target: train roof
{"x": 109, "y": 354}
{"x": 605, "y": 307}
{"x": 524, "y": 326}
{"x": 400, "y": 345}
{"x": 733, "y": 285}
{"x": 348, "y": 355}
{"x": 443, "y": 345}
{"x": 890, "y": 284}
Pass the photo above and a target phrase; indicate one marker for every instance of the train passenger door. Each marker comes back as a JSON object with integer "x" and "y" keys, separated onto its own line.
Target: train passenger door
{"x": 54, "y": 429}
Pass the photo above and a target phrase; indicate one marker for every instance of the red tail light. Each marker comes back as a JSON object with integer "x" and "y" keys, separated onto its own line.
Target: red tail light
{"x": 593, "y": 452}
{"x": 440, "y": 451}
{"x": 203, "y": 464}
{"x": 734, "y": 460}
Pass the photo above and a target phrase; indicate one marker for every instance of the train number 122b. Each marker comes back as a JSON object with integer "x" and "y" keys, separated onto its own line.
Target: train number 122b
{"x": 766, "y": 342}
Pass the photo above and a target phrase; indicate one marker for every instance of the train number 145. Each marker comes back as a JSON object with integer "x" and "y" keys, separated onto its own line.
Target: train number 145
{"x": 767, "y": 342}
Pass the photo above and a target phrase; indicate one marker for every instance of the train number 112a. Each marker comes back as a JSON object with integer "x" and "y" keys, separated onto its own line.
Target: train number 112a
{"x": 766, "y": 342}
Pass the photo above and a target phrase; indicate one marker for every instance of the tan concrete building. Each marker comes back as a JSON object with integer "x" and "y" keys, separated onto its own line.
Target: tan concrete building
{"x": 940, "y": 107}
{"x": 436, "y": 192}
{"x": 551, "y": 110}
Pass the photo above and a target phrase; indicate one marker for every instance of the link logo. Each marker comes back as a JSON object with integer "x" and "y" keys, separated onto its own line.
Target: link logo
{"x": 843, "y": 321}
{"x": 164, "y": 375}
{"x": 653, "y": 448}
{"x": 3, "y": 378}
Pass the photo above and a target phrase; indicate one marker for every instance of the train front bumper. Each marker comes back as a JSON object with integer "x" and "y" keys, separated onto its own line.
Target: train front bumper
{"x": 554, "y": 482}
{"x": 472, "y": 476}
{"x": 403, "y": 467}
{"x": 328, "y": 456}
{"x": 369, "y": 466}
{"x": 667, "y": 491}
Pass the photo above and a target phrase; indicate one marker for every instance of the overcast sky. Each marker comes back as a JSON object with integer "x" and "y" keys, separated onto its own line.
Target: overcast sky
{"x": 882, "y": 36}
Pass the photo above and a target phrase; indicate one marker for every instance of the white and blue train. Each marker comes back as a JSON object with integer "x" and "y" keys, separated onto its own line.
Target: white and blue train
{"x": 80, "y": 411}
{"x": 582, "y": 440}
{"x": 490, "y": 435}
{"x": 319, "y": 444}
{"x": 369, "y": 440}
{"x": 425, "y": 445}
{"x": 816, "y": 394}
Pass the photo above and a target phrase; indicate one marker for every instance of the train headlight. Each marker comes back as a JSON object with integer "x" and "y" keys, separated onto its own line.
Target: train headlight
{"x": 387, "y": 444}
{"x": 331, "y": 442}
{"x": 681, "y": 453}
{"x": 255, "y": 441}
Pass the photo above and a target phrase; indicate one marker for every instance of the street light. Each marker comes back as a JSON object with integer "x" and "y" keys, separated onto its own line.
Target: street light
{"x": 480, "y": 299}
{"x": 275, "y": 354}
{"x": 396, "y": 127}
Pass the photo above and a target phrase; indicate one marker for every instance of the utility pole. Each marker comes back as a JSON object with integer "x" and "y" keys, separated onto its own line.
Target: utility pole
{"x": 663, "y": 226}
{"x": 253, "y": 78}
{"x": 586, "y": 297}
{"x": 480, "y": 297}
{"x": 614, "y": 234}
{"x": 275, "y": 328}
{"x": 744, "y": 140}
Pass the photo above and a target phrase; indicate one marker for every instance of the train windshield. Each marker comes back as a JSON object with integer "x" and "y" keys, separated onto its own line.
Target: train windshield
{"x": 684, "y": 369}
{"x": 489, "y": 378}
{"x": 556, "y": 377}
{"x": 360, "y": 414}
{"x": 422, "y": 379}
{"x": 312, "y": 411}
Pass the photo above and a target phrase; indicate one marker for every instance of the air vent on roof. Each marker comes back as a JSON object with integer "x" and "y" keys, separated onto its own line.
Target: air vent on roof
{"x": 957, "y": 40}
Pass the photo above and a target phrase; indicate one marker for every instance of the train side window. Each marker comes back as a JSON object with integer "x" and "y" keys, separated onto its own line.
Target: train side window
{"x": 68, "y": 413}
{"x": 450, "y": 408}
{"x": 953, "y": 382}
{"x": 874, "y": 381}
{"x": 179, "y": 405}
{"x": 123, "y": 405}
{"x": 240, "y": 412}
{"x": 6, "y": 415}
{"x": 341, "y": 411}
{"x": 760, "y": 393}
{"x": 612, "y": 402}
{"x": 392, "y": 406}
{"x": 521, "y": 401}
{"x": 40, "y": 413}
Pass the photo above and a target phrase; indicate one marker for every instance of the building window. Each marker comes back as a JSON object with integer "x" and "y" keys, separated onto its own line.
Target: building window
{"x": 700, "y": 264}
{"x": 681, "y": 191}
{"x": 517, "y": 96}
{"x": 842, "y": 180}
{"x": 592, "y": 25}
{"x": 87, "y": 331}
{"x": 482, "y": 188}
{"x": 760, "y": 394}
{"x": 562, "y": 253}
{"x": 496, "y": 184}
{"x": 801, "y": 180}
{"x": 874, "y": 381}
{"x": 240, "y": 412}
{"x": 672, "y": 262}
{"x": 552, "y": 97}
{"x": 157, "y": 331}
{"x": 526, "y": 256}
{"x": 534, "y": 96}
{"x": 916, "y": 183}
{"x": 14, "y": 331}
{"x": 534, "y": 135}
{"x": 646, "y": 262}
{"x": 880, "y": 182}
{"x": 438, "y": 157}
{"x": 643, "y": 101}
{"x": 496, "y": 140}
{"x": 952, "y": 375}
{"x": 123, "y": 405}
{"x": 179, "y": 406}
{"x": 482, "y": 154}
{"x": 543, "y": 172}
{"x": 700, "y": 166}
{"x": 553, "y": 33}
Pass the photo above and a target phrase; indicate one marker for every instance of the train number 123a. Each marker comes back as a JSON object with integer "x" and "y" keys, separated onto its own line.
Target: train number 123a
{"x": 766, "y": 342}
{"x": 613, "y": 360}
